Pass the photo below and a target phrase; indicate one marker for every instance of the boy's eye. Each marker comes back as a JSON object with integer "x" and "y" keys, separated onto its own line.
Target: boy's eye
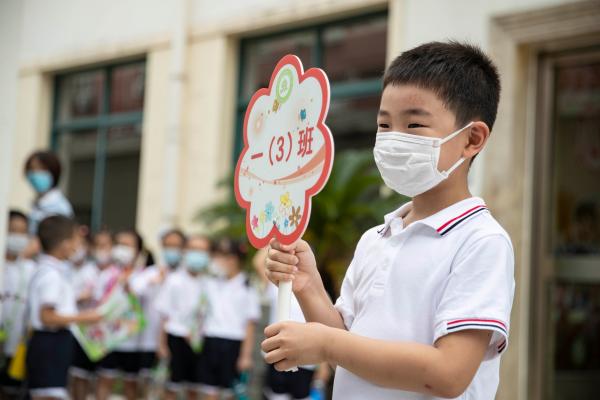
{"x": 384, "y": 126}
{"x": 416, "y": 126}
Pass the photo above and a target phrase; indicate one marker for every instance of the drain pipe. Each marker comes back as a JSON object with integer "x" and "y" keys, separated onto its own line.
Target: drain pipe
{"x": 174, "y": 114}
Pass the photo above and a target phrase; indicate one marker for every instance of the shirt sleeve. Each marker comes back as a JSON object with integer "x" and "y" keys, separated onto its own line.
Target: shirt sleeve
{"x": 345, "y": 303}
{"x": 163, "y": 300}
{"x": 478, "y": 293}
{"x": 49, "y": 290}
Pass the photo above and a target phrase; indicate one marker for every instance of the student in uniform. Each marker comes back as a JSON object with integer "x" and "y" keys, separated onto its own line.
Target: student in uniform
{"x": 229, "y": 328}
{"x": 124, "y": 361}
{"x": 182, "y": 304}
{"x": 146, "y": 286}
{"x": 17, "y": 273}
{"x": 424, "y": 309}
{"x": 102, "y": 244}
{"x": 52, "y": 308}
{"x": 84, "y": 275}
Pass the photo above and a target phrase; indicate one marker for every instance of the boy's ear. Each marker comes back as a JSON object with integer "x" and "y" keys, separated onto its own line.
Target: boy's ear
{"x": 478, "y": 135}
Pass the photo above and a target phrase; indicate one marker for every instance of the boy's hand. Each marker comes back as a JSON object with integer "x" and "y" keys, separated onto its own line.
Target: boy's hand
{"x": 90, "y": 317}
{"x": 244, "y": 363}
{"x": 163, "y": 351}
{"x": 290, "y": 344}
{"x": 295, "y": 262}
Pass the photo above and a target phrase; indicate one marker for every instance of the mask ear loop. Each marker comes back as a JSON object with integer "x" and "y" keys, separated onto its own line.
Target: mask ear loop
{"x": 457, "y": 164}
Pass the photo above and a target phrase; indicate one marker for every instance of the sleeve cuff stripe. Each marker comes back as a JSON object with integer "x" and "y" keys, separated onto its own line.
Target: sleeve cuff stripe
{"x": 477, "y": 320}
{"x": 473, "y": 325}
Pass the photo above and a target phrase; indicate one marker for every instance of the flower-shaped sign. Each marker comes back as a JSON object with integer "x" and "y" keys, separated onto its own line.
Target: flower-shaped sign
{"x": 287, "y": 154}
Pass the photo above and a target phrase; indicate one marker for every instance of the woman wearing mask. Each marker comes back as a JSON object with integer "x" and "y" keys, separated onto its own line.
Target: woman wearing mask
{"x": 124, "y": 361}
{"x": 43, "y": 170}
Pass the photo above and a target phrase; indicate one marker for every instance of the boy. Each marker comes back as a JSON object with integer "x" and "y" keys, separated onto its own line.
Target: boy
{"x": 17, "y": 274}
{"x": 182, "y": 304}
{"x": 425, "y": 305}
{"x": 52, "y": 308}
{"x": 230, "y": 323}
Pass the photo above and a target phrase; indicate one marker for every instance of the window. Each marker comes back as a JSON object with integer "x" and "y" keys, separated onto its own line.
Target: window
{"x": 96, "y": 131}
{"x": 352, "y": 52}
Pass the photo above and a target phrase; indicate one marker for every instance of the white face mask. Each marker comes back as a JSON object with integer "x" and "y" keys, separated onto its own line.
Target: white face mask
{"x": 103, "y": 257}
{"x": 123, "y": 255}
{"x": 408, "y": 163}
{"x": 16, "y": 243}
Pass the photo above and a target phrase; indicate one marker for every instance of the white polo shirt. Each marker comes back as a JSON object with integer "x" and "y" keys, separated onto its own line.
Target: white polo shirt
{"x": 84, "y": 279}
{"x": 50, "y": 286}
{"x": 232, "y": 304}
{"x": 146, "y": 287}
{"x": 182, "y": 301}
{"x": 17, "y": 275}
{"x": 446, "y": 273}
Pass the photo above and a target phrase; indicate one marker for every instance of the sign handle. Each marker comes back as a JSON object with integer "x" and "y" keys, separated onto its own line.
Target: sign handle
{"x": 284, "y": 300}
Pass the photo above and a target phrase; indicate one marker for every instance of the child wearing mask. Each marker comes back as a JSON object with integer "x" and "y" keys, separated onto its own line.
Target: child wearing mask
{"x": 17, "y": 274}
{"x": 52, "y": 309}
{"x": 102, "y": 244}
{"x": 182, "y": 304}
{"x": 124, "y": 361}
{"x": 230, "y": 323}
{"x": 83, "y": 278}
{"x": 146, "y": 286}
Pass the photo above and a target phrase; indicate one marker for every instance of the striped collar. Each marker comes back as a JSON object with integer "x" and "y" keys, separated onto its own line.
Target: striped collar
{"x": 442, "y": 222}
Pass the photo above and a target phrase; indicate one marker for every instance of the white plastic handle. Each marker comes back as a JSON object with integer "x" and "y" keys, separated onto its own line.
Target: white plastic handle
{"x": 284, "y": 300}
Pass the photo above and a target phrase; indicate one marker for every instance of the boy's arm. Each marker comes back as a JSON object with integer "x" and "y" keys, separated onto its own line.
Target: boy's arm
{"x": 244, "y": 362}
{"x": 163, "y": 346}
{"x": 52, "y": 319}
{"x": 442, "y": 370}
{"x": 296, "y": 262}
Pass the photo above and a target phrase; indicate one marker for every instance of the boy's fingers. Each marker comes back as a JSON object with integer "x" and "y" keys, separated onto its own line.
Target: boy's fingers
{"x": 274, "y": 356}
{"x": 281, "y": 247}
{"x": 276, "y": 266}
{"x": 273, "y": 329}
{"x": 280, "y": 256}
{"x": 279, "y": 276}
{"x": 284, "y": 365}
{"x": 270, "y": 344}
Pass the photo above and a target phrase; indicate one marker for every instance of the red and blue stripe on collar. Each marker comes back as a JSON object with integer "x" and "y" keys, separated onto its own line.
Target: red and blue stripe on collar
{"x": 454, "y": 222}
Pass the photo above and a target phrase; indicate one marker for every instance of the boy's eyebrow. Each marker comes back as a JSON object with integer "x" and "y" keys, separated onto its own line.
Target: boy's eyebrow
{"x": 411, "y": 111}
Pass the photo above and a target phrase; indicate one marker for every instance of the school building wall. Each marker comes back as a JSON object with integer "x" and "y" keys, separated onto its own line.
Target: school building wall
{"x": 64, "y": 34}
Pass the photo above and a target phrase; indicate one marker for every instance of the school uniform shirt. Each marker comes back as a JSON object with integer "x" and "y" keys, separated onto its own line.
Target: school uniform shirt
{"x": 17, "y": 275}
{"x": 53, "y": 202}
{"x": 144, "y": 285}
{"x": 182, "y": 302}
{"x": 296, "y": 313}
{"x": 449, "y": 272}
{"x": 232, "y": 304}
{"x": 84, "y": 279}
{"x": 50, "y": 286}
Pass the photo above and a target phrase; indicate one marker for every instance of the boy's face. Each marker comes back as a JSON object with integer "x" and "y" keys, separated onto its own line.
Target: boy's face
{"x": 18, "y": 226}
{"x": 68, "y": 247}
{"x": 418, "y": 111}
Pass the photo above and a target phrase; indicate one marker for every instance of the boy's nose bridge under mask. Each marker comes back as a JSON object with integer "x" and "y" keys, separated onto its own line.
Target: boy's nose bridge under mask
{"x": 408, "y": 163}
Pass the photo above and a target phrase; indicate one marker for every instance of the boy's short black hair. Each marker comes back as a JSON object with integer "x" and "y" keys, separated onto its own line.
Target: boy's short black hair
{"x": 229, "y": 246}
{"x": 49, "y": 160}
{"x": 176, "y": 232}
{"x": 54, "y": 230}
{"x": 460, "y": 74}
{"x": 16, "y": 214}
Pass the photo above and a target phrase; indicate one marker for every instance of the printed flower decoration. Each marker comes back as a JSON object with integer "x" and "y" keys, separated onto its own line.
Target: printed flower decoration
{"x": 262, "y": 217}
{"x": 255, "y": 222}
{"x": 269, "y": 210}
{"x": 295, "y": 216}
{"x": 285, "y": 200}
{"x": 286, "y": 223}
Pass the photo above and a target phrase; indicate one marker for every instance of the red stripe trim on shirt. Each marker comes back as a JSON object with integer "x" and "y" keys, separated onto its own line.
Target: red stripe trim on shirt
{"x": 460, "y": 321}
{"x": 460, "y": 216}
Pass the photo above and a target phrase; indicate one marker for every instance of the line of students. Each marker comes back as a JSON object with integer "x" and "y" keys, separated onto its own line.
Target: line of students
{"x": 199, "y": 306}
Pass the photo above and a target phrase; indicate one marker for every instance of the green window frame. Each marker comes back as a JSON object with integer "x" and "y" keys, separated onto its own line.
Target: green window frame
{"x": 339, "y": 90}
{"x": 101, "y": 122}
